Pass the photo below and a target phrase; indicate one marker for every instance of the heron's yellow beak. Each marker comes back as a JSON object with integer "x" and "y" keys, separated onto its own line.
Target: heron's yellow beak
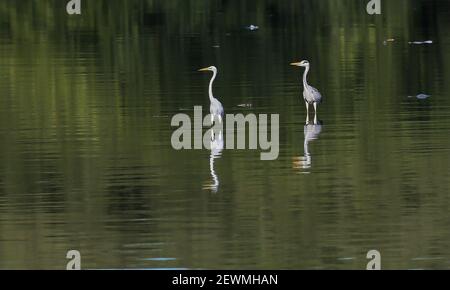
{"x": 296, "y": 63}
{"x": 204, "y": 69}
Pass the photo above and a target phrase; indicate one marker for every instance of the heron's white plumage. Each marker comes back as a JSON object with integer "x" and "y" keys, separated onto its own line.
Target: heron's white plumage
{"x": 215, "y": 108}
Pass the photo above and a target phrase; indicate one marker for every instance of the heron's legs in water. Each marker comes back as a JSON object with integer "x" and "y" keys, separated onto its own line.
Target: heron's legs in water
{"x": 307, "y": 112}
{"x": 213, "y": 117}
{"x": 212, "y": 130}
{"x": 315, "y": 113}
{"x": 213, "y": 136}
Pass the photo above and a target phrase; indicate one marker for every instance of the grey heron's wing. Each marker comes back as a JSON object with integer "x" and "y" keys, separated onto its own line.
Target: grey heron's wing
{"x": 316, "y": 94}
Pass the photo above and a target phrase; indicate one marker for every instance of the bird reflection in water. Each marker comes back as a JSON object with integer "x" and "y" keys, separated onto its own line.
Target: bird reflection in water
{"x": 216, "y": 153}
{"x": 311, "y": 132}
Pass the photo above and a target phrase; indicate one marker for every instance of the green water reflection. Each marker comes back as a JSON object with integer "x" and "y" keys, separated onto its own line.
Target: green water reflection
{"x": 86, "y": 161}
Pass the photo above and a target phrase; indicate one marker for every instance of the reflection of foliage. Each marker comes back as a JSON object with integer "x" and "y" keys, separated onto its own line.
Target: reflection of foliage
{"x": 90, "y": 86}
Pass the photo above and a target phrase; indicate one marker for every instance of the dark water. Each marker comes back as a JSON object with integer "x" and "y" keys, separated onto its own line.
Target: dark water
{"x": 86, "y": 161}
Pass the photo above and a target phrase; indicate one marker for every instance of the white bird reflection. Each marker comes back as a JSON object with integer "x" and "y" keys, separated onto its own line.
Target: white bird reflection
{"x": 216, "y": 152}
{"x": 311, "y": 132}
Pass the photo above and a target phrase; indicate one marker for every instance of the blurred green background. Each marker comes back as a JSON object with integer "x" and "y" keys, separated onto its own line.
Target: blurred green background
{"x": 86, "y": 161}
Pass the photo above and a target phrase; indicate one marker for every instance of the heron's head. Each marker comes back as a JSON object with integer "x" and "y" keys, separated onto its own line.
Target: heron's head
{"x": 303, "y": 63}
{"x": 210, "y": 68}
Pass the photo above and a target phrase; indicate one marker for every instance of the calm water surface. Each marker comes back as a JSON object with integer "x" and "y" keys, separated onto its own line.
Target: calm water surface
{"x": 86, "y": 161}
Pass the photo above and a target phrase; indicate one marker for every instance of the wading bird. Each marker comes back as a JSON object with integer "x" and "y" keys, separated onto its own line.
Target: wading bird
{"x": 310, "y": 94}
{"x": 216, "y": 108}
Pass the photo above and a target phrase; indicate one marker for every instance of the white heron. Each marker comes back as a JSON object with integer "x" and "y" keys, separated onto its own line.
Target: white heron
{"x": 216, "y": 108}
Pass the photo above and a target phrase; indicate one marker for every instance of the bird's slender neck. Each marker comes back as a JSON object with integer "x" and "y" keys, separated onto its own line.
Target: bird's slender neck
{"x": 211, "y": 97}
{"x": 305, "y": 74}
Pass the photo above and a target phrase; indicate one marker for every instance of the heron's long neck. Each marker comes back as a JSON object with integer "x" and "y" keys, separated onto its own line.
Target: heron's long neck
{"x": 211, "y": 97}
{"x": 305, "y": 74}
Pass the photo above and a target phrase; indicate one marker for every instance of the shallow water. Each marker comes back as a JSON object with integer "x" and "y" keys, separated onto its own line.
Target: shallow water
{"x": 87, "y": 163}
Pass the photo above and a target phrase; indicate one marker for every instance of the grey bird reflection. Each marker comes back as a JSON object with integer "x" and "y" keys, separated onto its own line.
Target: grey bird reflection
{"x": 311, "y": 132}
{"x": 216, "y": 152}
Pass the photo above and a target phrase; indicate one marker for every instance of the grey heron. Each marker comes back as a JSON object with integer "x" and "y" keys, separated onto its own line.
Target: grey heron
{"x": 310, "y": 94}
{"x": 216, "y": 108}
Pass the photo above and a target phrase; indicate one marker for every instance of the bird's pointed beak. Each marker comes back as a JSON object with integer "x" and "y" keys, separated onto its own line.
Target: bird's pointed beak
{"x": 204, "y": 69}
{"x": 295, "y": 63}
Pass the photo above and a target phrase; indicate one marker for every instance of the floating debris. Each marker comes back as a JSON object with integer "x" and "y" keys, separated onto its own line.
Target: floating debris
{"x": 245, "y": 105}
{"x": 216, "y": 46}
{"x": 388, "y": 40}
{"x": 420, "y": 96}
{"x": 252, "y": 27}
{"x": 421, "y": 42}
